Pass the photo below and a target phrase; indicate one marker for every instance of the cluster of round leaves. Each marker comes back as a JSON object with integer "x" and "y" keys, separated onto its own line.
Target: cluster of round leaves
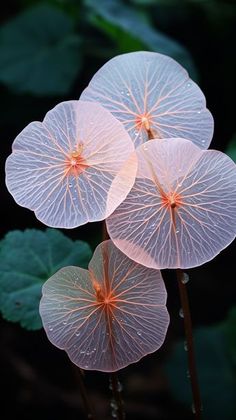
{"x": 132, "y": 151}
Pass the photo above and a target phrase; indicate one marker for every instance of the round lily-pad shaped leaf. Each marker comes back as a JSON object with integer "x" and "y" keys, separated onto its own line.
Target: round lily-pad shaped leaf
{"x": 69, "y": 169}
{"x": 180, "y": 212}
{"x": 153, "y": 96}
{"x": 109, "y": 316}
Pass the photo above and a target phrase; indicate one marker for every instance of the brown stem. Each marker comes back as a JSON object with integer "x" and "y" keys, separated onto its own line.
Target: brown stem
{"x": 150, "y": 133}
{"x": 119, "y": 409}
{"x": 197, "y": 405}
{"x": 105, "y": 235}
{"x": 84, "y": 396}
{"x": 115, "y": 385}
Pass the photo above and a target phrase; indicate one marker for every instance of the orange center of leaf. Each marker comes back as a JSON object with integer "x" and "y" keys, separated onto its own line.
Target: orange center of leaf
{"x": 75, "y": 162}
{"x": 171, "y": 200}
{"x": 143, "y": 121}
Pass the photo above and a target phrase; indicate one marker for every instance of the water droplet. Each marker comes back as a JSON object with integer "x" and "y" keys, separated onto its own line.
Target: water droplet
{"x": 82, "y": 352}
{"x": 188, "y": 374}
{"x": 188, "y": 84}
{"x": 50, "y": 328}
{"x": 113, "y": 414}
{"x": 88, "y": 353}
{"x": 145, "y": 147}
{"x": 139, "y": 332}
{"x": 119, "y": 387}
{"x": 185, "y": 278}
{"x": 193, "y": 408}
{"x": 70, "y": 185}
{"x": 113, "y": 404}
{"x": 86, "y": 366}
{"x": 77, "y": 334}
{"x": 177, "y": 231}
{"x": 199, "y": 112}
{"x": 64, "y": 323}
{"x": 181, "y": 313}
{"x": 185, "y": 346}
{"x": 128, "y": 94}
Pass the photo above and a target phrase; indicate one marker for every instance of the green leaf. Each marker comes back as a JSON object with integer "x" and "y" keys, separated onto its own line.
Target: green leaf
{"x": 127, "y": 19}
{"x": 216, "y": 379}
{"x": 39, "y": 52}
{"x": 27, "y": 260}
{"x": 231, "y": 149}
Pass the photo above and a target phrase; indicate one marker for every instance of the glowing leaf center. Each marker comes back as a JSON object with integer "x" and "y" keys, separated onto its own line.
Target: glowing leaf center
{"x": 76, "y": 163}
{"x": 143, "y": 121}
{"x": 171, "y": 200}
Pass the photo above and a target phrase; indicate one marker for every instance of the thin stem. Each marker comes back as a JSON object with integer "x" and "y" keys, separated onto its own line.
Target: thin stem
{"x": 84, "y": 396}
{"x": 115, "y": 385}
{"x": 197, "y": 405}
{"x": 105, "y": 235}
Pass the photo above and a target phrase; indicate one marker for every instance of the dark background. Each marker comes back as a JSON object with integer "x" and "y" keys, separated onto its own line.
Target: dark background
{"x": 37, "y": 380}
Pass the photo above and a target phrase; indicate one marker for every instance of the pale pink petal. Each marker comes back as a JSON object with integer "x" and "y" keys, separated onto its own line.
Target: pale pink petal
{"x": 152, "y": 85}
{"x": 41, "y": 177}
{"x": 100, "y": 336}
{"x": 200, "y": 184}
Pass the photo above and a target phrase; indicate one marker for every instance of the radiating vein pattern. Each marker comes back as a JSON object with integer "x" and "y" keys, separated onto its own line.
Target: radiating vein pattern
{"x": 180, "y": 212}
{"x": 152, "y": 95}
{"x": 69, "y": 169}
{"x": 109, "y": 316}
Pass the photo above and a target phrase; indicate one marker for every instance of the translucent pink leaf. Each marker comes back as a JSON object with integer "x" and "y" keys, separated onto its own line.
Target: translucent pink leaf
{"x": 69, "y": 169}
{"x": 181, "y": 209}
{"x": 152, "y": 95}
{"x": 109, "y": 316}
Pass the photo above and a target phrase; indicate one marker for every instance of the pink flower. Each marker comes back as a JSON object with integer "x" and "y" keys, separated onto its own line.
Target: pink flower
{"x": 69, "y": 169}
{"x": 109, "y": 316}
{"x": 180, "y": 213}
{"x": 152, "y": 95}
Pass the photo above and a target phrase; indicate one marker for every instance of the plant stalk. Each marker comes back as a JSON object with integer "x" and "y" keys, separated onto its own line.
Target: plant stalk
{"x": 117, "y": 396}
{"x": 84, "y": 396}
{"x": 197, "y": 405}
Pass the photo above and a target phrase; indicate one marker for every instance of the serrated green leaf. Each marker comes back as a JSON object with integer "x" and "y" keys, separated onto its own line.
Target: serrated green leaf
{"x": 27, "y": 260}
{"x": 127, "y": 19}
{"x": 39, "y": 52}
{"x": 216, "y": 379}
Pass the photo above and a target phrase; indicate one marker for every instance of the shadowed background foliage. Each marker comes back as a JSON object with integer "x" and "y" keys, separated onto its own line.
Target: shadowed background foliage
{"x": 48, "y": 53}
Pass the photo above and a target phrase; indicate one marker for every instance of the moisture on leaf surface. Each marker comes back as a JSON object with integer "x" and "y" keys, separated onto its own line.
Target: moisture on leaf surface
{"x": 109, "y": 316}
{"x": 153, "y": 96}
{"x": 180, "y": 213}
{"x": 70, "y": 169}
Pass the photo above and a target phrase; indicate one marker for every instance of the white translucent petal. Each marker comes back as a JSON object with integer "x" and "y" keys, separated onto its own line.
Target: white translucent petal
{"x": 37, "y": 171}
{"x": 197, "y": 229}
{"x": 101, "y": 337}
{"x": 152, "y": 84}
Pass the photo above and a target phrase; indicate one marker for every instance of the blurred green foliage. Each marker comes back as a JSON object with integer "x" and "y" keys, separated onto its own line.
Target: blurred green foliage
{"x": 215, "y": 350}
{"x": 42, "y": 48}
{"x": 231, "y": 149}
{"x": 39, "y": 52}
{"x": 27, "y": 260}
